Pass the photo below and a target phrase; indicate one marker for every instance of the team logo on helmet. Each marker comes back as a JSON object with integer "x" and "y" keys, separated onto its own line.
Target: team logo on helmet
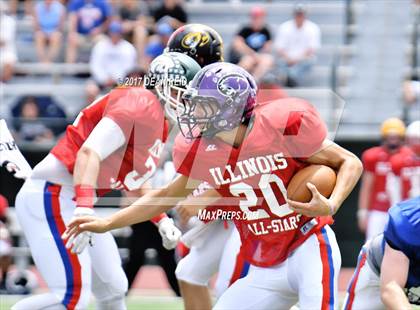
{"x": 168, "y": 69}
{"x": 194, "y": 39}
{"x": 162, "y": 65}
{"x": 233, "y": 85}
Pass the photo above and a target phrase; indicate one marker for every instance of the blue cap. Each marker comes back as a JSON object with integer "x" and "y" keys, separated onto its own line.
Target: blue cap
{"x": 115, "y": 27}
{"x": 154, "y": 49}
{"x": 164, "y": 29}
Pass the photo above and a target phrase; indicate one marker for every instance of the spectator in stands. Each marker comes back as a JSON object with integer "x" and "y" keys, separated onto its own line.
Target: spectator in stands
{"x": 252, "y": 45}
{"x": 374, "y": 200}
{"x": 296, "y": 44}
{"x": 172, "y": 12}
{"x": 111, "y": 60}
{"x": 135, "y": 19}
{"x": 157, "y": 43}
{"x": 16, "y": 9}
{"x": 49, "y": 18}
{"x": 5, "y": 244}
{"x": 30, "y": 128}
{"x": 8, "y": 56}
{"x": 88, "y": 20}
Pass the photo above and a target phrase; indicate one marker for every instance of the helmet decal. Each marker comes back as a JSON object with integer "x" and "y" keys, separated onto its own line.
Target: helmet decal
{"x": 194, "y": 39}
{"x": 198, "y": 41}
{"x": 162, "y": 64}
{"x": 233, "y": 85}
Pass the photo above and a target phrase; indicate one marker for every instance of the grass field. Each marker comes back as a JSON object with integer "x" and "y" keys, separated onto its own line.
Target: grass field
{"x": 133, "y": 303}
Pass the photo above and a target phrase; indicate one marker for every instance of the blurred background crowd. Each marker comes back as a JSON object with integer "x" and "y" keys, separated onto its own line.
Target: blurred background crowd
{"x": 57, "y": 56}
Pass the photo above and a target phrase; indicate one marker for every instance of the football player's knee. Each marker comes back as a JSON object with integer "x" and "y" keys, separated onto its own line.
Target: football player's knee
{"x": 187, "y": 273}
{"x": 118, "y": 287}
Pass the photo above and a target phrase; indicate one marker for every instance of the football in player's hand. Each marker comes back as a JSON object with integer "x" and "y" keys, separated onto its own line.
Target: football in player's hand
{"x": 323, "y": 177}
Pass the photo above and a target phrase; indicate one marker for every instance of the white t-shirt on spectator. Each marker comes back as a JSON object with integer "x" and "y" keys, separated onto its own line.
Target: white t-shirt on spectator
{"x": 416, "y": 88}
{"x": 7, "y": 39}
{"x": 296, "y": 41}
{"x": 110, "y": 60}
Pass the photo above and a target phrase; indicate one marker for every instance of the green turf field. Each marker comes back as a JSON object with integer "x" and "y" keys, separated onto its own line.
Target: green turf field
{"x": 133, "y": 303}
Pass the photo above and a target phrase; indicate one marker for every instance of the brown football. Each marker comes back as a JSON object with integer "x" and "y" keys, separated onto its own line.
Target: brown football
{"x": 323, "y": 177}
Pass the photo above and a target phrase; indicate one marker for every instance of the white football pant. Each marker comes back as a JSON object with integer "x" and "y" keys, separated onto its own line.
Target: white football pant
{"x": 43, "y": 209}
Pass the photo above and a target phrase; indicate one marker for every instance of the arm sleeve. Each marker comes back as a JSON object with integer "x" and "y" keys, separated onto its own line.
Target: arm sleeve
{"x": 243, "y": 32}
{"x": 391, "y": 235}
{"x": 267, "y": 33}
{"x": 105, "y": 138}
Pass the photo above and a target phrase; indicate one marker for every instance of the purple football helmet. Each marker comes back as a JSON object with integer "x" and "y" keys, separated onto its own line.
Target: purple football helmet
{"x": 219, "y": 98}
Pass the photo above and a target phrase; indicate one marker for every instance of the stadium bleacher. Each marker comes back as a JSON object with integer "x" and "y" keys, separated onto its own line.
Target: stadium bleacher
{"x": 226, "y": 17}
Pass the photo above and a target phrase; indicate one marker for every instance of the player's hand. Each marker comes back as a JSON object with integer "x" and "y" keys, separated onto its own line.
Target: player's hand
{"x": 85, "y": 223}
{"x": 169, "y": 232}
{"x": 318, "y": 206}
{"x": 78, "y": 242}
{"x": 185, "y": 212}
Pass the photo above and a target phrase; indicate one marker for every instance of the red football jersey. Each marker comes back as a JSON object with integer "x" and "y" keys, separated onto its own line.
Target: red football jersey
{"x": 138, "y": 113}
{"x": 257, "y": 174}
{"x": 407, "y": 167}
{"x": 377, "y": 161}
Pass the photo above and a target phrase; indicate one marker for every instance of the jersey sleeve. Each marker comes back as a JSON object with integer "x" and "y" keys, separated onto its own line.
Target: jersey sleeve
{"x": 133, "y": 110}
{"x": 244, "y": 32}
{"x": 302, "y": 128}
{"x": 369, "y": 160}
{"x": 391, "y": 235}
{"x": 267, "y": 32}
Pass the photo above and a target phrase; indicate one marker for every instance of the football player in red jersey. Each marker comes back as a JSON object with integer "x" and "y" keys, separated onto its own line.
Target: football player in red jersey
{"x": 117, "y": 140}
{"x": 404, "y": 182}
{"x": 214, "y": 246}
{"x": 373, "y": 198}
{"x": 256, "y": 150}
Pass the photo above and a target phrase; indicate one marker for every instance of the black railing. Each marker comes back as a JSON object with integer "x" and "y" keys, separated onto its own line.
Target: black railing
{"x": 348, "y": 21}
